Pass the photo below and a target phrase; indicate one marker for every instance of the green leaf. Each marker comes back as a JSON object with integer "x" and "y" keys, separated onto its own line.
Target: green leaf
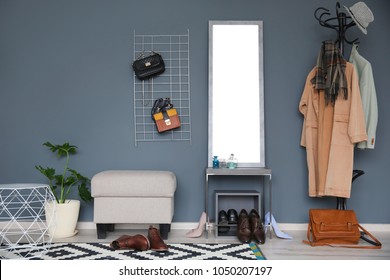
{"x": 71, "y": 180}
{"x": 49, "y": 145}
{"x": 61, "y": 150}
{"x": 84, "y": 192}
{"x": 72, "y": 150}
{"x": 78, "y": 175}
{"x": 48, "y": 171}
{"x": 58, "y": 180}
{"x": 67, "y": 148}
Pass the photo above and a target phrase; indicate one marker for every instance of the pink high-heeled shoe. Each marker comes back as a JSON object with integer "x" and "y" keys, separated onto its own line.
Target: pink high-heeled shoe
{"x": 196, "y": 232}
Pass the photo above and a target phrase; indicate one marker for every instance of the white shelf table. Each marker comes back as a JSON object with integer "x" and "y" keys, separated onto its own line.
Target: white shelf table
{"x": 23, "y": 227}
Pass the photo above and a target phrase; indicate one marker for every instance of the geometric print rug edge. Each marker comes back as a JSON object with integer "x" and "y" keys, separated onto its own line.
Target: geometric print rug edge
{"x": 176, "y": 251}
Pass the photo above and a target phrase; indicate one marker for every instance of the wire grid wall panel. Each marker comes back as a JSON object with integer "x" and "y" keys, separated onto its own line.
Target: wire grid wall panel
{"x": 22, "y": 220}
{"x": 173, "y": 83}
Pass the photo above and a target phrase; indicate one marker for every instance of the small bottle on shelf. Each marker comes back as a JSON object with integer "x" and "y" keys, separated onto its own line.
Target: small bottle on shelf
{"x": 231, "y": 162}
{"x": 215, "y": 162}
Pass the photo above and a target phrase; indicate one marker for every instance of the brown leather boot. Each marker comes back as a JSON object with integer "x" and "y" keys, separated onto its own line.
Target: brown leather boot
{"x": 156, "y": 242}
{"x": 137, "y": 242}
{"x": 257, "y": 227}
{"x": 244, "y": 233}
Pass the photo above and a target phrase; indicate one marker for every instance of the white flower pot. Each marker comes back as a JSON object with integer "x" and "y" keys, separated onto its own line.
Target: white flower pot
{"x": 62, "y": 218}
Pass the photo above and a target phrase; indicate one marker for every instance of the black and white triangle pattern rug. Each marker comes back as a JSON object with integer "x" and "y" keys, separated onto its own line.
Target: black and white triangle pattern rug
{"x": 179, "y": 251}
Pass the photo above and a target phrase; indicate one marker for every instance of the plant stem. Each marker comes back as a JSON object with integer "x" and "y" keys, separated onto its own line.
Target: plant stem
{"x": 62, "y": 198}
{"x": 69, "y": 188}
{"x": 53, "y": 190}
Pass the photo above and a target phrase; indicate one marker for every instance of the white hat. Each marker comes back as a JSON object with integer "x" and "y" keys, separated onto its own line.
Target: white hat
{"x": 361, "y": 15}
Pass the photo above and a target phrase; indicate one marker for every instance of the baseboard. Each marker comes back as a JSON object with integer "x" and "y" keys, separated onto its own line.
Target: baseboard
{"x": 371, "y": 227}
{"x": 92, "y": 225}
{"x": 188, "y": 226}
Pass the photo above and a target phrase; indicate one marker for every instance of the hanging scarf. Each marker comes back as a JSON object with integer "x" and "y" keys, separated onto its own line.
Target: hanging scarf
{"x": 330, "y": 74}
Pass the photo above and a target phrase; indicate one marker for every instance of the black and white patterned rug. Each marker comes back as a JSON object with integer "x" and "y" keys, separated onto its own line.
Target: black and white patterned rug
{"x": 180, "y": 251}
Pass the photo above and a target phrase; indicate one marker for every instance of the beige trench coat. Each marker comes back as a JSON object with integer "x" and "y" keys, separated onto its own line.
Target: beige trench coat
{"x": 329, "y": 134}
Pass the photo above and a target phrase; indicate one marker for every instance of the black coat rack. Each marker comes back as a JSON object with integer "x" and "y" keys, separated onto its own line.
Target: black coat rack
{"x": 340, "y": 23}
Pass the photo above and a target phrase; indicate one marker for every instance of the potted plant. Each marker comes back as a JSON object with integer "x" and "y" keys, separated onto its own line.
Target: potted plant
{"x": 66, "y": 210}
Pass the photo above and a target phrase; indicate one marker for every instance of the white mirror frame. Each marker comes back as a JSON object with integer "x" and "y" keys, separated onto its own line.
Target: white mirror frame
{"x": 236, "y": 112}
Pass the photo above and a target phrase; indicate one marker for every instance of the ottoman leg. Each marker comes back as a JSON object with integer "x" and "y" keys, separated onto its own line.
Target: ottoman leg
{"x": 164, "y": 230}
{"x": 101, "y": 231}
{"x": 110, "y": 227}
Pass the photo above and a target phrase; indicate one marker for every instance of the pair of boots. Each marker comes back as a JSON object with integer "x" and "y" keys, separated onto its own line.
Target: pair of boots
{"x": 250, "y": 226}
{"x": 140, "y": 242}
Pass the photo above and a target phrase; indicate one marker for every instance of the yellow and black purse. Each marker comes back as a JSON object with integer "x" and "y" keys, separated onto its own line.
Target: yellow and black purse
{"x": 164, "y": 115}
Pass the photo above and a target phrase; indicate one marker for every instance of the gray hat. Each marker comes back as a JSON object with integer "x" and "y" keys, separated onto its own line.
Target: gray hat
{"x": 361, "y": 15}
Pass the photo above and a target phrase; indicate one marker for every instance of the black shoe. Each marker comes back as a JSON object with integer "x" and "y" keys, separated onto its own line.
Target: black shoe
{"x": 232, "y": 216}
{"x": 223, "y": 221}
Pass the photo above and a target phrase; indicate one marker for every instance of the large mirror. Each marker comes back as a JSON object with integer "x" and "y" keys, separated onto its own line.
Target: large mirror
{"x": 236, "y": 92}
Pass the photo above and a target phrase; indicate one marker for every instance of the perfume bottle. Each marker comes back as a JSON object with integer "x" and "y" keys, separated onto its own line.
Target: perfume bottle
{"x": 231, "y": 162}
{"x": 222, "y": 163}
{"x": 215, "y": 162}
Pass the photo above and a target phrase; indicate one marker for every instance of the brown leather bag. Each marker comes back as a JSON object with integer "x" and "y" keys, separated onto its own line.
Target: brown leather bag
{"x": 167, "y": 120}
{"x": 337, "y": 228}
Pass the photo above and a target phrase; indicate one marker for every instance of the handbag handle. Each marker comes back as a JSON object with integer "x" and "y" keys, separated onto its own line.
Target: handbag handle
{"x": 161, "y": 104}
{"x": 142, "y": 54}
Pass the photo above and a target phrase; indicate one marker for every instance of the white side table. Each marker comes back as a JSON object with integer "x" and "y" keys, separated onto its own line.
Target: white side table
{"x": 23, "y": 227}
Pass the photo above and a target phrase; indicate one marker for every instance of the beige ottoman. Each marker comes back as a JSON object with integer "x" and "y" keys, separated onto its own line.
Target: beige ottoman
{"x": 133, "y": 197}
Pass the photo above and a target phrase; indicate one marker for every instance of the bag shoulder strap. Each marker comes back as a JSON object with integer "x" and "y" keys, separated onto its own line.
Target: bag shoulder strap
{"x": 308, "y": 241}
{"x": 376, "y": 244}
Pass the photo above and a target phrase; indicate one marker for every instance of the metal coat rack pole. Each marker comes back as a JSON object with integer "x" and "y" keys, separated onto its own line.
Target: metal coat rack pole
{"x": 340, "y": 23}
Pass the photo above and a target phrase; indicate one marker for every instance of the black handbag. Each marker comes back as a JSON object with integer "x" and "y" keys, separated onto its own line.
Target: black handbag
{"x": 148, "y": 67}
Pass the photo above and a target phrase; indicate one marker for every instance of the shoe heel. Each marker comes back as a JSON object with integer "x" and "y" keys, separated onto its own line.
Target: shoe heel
{"x": 196, "y": 232}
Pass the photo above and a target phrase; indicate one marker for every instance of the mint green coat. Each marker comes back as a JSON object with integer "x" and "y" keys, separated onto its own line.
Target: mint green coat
{"x": 368, "y": 94}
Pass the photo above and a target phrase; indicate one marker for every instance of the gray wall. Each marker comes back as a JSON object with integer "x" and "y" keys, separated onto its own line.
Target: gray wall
{"x": 65, "y": 76}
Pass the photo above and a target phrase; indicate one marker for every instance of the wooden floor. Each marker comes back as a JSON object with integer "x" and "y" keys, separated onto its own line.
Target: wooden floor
{"x": 273, "y": 249}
